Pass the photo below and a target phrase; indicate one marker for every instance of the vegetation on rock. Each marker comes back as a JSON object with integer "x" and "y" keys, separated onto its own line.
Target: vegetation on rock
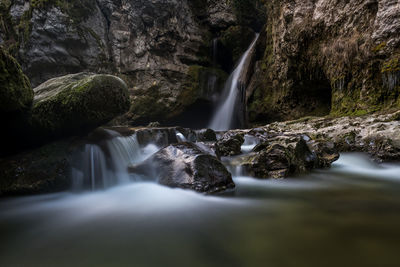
{"x": 16, "y": 94}
{"x": 78, "y": 102}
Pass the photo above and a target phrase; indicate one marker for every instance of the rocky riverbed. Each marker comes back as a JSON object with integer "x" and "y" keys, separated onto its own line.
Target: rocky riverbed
{"x": 276, "y": 150}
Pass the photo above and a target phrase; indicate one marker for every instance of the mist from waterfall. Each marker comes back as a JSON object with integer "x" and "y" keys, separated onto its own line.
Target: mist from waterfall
{"x": 223, "y": 118}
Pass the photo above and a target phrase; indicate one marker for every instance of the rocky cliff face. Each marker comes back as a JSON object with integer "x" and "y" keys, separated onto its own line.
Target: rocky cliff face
{"x": 314, "y": 57}
{"x": 162, "y": 49}
{"x": 326, "y": 56}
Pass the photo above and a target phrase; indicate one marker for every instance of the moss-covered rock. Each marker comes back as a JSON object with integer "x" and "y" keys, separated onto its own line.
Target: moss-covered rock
{"x": 16, "y": 94}
{"x": 78, "y": 102}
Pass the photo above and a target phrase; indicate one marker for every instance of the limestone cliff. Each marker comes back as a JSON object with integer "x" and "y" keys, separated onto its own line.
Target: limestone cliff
{"x": 314, "y": 57}
{"x": 162, "y": 49}
{"x": 326, "y": 56}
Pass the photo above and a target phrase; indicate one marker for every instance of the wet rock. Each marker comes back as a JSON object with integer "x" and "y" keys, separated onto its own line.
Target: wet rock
{"x": 230, "y": 143}
{"x": 377, "y": 135}
{"x": 186, "y": 166}
{"x": 209, "y": 148}
{"x": 284, "y": 157}
{"x": 206, "y": 135}
{"x": 78, "y": 102}
{"x": 42, "y": 170}
{"x": 326, "y": 152}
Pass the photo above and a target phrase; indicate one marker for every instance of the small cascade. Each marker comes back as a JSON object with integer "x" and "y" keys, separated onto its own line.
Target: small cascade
{"x": 236, "y": 170}
{"x": 250, "y": 142}
{"x": 223, "y": 118}
{"x": 180, "y": 137}
{"x": 92, "y": 172}
{"x": 106, "y": 165}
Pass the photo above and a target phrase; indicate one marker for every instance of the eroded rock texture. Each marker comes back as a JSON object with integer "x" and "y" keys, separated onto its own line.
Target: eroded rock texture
{"x": 162, "y": 49}
{"x": 317, "y": 57}
{"x": 74, "y": 103}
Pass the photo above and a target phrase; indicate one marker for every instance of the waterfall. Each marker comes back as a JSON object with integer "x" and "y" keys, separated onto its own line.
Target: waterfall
{"x": 215, "y": 51}
{"x": 92, "y": 171}
{"x": 223, "y": 118}
{"x": 106, "y": 165}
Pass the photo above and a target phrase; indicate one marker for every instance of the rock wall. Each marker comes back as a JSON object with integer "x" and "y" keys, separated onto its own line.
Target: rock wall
{"x": 326, "y": 56}
{"x": 161, "y": 48}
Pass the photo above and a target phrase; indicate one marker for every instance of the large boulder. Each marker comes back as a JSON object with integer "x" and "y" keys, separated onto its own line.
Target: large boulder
{"x": 186, "y": 166}
{"x": 77, "y": 102}
{"x": 16, "y": 94}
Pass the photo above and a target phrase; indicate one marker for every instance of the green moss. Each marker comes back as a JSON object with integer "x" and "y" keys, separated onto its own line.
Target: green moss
{"x": 148, "y": 105}
{"x": 379, "y": 47}
{"x": 269, "y": 48}
{"x": 392, "y": 65}
{"x": 84, "y": 104}
{"x": 7, "y": 26}
{"x": 16, "y": 94}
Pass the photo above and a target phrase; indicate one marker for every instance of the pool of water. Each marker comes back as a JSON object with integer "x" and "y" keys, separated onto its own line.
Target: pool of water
{"x": 348, "y": 215}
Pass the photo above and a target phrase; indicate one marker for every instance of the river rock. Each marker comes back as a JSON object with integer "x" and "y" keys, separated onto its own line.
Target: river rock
{"x": 285, "y": 156}
{"x": 377, "y": 135}
{"x": 230, "y": 143}
{"x": 77, "y": 102}
{"x": 186, "y": 166}
{"x": 206, "y": 135}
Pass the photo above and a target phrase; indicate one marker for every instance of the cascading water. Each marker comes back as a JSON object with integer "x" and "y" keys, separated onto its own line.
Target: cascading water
{"x": 215, "y": 51}
{"x": 106, "y": 165}
{"x": 223, "y": 118}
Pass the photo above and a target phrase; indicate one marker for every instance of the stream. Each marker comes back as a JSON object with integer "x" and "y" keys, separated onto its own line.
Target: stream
{"x": 348, "y": 215}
